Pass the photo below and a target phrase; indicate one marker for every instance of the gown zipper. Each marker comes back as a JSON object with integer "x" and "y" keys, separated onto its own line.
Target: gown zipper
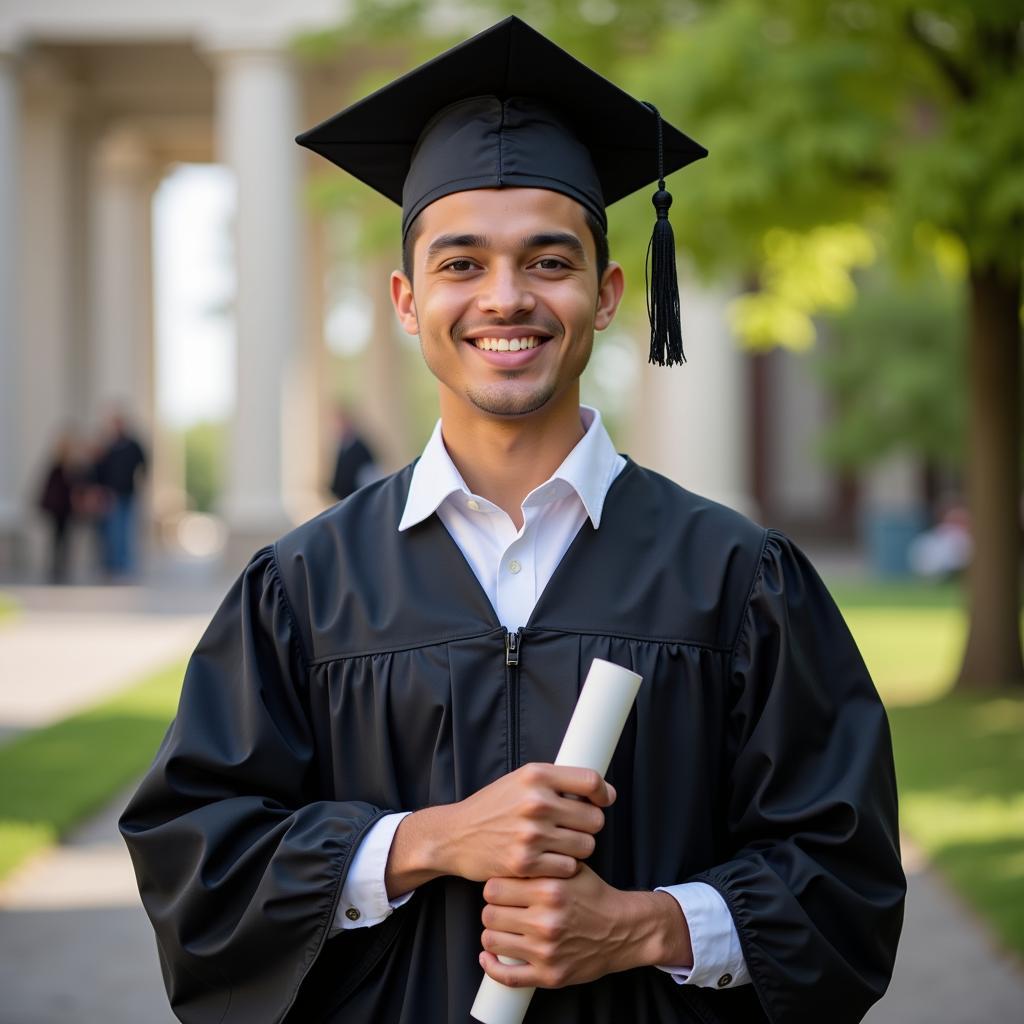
{"x": 513, "y": 643}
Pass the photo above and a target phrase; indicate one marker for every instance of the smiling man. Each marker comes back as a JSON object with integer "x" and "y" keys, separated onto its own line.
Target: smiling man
{"x": 355, "y": 812}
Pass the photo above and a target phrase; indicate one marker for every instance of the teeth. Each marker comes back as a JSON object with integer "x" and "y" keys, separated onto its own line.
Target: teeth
{"x": 506, "y": 344}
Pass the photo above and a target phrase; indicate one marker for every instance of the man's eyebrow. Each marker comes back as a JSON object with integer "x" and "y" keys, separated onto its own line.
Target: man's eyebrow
{"x": 556, "y": 239}
{"x": 445, "y": 242}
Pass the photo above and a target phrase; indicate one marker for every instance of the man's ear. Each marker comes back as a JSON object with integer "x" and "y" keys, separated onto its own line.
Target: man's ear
{"x": 402, "y": 300}
{"x": 609, "y": 295}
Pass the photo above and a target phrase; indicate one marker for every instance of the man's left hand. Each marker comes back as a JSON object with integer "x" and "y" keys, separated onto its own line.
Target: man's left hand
{"x": 573, "y": 930}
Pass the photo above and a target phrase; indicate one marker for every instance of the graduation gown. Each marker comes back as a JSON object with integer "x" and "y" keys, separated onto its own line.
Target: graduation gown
{"x": 353, "y": 670}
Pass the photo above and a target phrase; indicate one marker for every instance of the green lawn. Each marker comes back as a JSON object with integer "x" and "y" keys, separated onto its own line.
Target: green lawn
{"x": 8, "y": 608}
{"x": 960, "y": 764}
{"x": 959, "y": 758}
{"x": 55, "y": 777}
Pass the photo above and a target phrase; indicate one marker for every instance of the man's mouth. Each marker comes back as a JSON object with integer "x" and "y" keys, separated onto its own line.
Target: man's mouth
{"x": 509, "y": 344}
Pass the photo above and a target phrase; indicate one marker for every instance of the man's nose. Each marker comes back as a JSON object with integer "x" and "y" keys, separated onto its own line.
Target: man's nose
{"x": 506, "y": 292}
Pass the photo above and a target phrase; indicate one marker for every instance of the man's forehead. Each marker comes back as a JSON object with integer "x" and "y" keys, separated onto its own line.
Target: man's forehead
{"x": 505, "y": 213}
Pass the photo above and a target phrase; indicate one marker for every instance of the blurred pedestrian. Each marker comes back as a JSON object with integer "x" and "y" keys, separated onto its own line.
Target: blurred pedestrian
{"x": 117, "y": 471}
{"x": 944, "y": 551}
{"x": 56, "y": 502}
{"x": 354, "y": 465}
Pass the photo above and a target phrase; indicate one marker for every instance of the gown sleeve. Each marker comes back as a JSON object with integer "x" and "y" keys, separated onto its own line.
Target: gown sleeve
{"x": 239, "y": 863}
{"x": 814, "y": 882}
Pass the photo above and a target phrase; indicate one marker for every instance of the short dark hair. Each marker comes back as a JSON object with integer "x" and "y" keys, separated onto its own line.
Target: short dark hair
{"x": 596, "y": 229}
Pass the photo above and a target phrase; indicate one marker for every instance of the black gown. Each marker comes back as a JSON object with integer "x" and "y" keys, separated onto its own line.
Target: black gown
{"x": 353, "y": 670}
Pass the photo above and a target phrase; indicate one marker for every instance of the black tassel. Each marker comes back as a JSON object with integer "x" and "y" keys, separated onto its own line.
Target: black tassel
{"x": 660, "y": 275}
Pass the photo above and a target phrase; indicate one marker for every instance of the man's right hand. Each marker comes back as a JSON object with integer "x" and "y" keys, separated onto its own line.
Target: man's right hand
{"x": 538, "y": 821}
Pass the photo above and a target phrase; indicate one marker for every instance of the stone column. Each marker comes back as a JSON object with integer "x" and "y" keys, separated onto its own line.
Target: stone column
{"x": 384, "y": 407}
{"x": 121, "y": 284}
{"x": 802, "y": 485}
{"x": 10, "y": 435}
{"x": 120, "y": 291}
{"x": 691, "y": 421}
{"x": 257, "y": 119}
{"x": 51, "y": 227}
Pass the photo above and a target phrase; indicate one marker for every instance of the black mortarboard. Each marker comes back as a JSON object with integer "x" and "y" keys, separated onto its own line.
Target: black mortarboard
{"x": 510, "y": 108}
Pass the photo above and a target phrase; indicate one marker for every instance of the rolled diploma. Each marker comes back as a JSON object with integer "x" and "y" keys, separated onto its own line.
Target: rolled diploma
{"x": 590, "y": 740}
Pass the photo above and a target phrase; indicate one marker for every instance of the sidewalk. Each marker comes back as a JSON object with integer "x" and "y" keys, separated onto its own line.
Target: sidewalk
{"x": 75, "y": 945}
{"x": 71, "y": 646}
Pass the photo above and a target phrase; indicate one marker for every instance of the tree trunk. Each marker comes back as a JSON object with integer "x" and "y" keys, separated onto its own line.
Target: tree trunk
{"x": 993, "y": 655}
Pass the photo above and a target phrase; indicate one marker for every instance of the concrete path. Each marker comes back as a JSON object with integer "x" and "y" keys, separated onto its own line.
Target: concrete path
{"x": 948, "y": 969}
{"x": 75, "y": 944}
{"x": 71, "y": 646}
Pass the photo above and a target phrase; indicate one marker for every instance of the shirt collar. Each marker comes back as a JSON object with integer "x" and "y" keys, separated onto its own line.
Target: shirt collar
{"x": 589, "y": 469}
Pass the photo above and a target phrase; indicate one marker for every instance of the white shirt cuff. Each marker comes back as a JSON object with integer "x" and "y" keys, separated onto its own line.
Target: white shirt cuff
{"x": 364, "y": 896}
{"x": 717, "y": 957}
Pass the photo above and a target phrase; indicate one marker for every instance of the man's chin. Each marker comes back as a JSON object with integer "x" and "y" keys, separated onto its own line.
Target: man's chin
{"x": 497, "y": 403}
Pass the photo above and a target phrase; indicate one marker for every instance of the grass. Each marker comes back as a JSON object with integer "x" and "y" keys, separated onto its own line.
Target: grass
{"x": 9, "y": 608}
{"x": 959, "y": 757}
{"x": 960, "y": 766}
{"x": 58, "y": 775}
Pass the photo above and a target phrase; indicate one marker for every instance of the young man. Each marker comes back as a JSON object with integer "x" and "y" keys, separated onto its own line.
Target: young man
{"x": 355, "y": 811}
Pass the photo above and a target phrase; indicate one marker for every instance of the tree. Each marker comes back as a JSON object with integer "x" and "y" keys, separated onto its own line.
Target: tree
{"x": 892, "y": 112}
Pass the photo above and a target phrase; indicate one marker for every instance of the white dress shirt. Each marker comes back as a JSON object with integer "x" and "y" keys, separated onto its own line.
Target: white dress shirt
{"x": 513, "y": 567}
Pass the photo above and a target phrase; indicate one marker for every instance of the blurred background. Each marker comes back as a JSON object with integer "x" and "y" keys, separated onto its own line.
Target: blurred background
{"x": 197, "y": 351}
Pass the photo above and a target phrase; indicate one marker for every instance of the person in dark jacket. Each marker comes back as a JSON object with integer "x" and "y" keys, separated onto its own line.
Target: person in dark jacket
{"x": 117, "y": 472}
{"x": 57, "y": 502}
{"x": 354, "y": 465}
{"x": 356, "y": 812}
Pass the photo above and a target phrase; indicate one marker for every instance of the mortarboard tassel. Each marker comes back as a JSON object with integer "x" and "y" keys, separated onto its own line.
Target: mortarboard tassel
{"x": 660, "y": 275}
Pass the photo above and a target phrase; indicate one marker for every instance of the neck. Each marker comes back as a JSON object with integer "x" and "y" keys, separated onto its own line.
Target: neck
{"x": 504, "y": 458}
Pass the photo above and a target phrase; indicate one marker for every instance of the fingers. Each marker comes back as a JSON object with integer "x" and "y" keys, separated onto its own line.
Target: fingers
{"x": 578, "y": 815}
{"x": 576, "y": 844}
{"x": 583, "y": 782}
{"x": 512, "y": 977}
{"x": 507, "y": 944}
{"x": 525, "y": 975}
{"x": 525, "y": 892}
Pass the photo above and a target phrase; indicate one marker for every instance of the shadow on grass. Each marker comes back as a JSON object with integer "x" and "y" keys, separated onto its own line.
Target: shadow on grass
{"x": 960, "y": 766}
{"x": 56, "y": 776}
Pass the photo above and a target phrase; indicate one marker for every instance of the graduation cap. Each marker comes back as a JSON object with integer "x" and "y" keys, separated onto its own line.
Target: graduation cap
{"x": 509, "y": 108}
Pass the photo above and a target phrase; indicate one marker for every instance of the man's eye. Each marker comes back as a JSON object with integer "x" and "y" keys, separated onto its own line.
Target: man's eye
{"x": 551, "y": 263}
{"x": 460, "y": 266}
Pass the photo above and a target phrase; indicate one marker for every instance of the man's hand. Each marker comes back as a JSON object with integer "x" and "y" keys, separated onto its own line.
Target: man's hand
{"x": 524, "y": 825}
{"x": 574, "y": 930}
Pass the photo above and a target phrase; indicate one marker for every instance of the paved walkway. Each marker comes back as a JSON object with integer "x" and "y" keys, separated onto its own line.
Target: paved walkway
{"x": 75, "y": 945}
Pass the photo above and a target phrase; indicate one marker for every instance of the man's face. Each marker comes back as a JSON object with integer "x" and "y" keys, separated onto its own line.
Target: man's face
{"x": 509, "y": 268}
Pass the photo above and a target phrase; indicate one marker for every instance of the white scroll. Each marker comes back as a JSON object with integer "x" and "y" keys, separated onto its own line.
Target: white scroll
{"x": 589, "y": 742}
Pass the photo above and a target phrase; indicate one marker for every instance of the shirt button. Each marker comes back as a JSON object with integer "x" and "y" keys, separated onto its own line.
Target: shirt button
{"x": 725, "y": 981}
{"x": 473, "y": 506}
{"x": 514, "y": 566}
{"x": 353, "y": 915}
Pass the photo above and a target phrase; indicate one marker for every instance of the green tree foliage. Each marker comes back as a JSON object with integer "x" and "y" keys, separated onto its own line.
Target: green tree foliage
{"x": 893, "y": 364}
{"x": 205, "y": 457}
